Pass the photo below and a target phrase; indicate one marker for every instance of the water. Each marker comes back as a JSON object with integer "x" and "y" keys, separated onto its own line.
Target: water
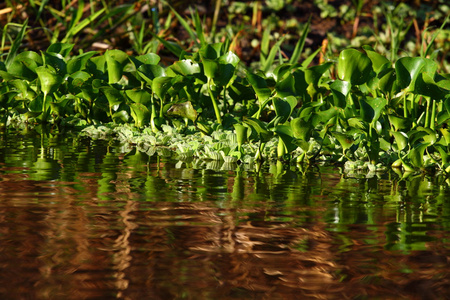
{"x": 83, "y": 219}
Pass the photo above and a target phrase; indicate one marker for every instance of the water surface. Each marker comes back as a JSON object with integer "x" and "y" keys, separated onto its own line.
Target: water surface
{"x": 82, "y": 219}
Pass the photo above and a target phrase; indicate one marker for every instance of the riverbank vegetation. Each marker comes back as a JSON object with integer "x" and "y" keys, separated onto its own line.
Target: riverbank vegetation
{"x": 376, "y": 100}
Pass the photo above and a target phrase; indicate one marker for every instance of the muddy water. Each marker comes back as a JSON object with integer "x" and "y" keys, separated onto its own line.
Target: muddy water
{"x": 83, "y": 219}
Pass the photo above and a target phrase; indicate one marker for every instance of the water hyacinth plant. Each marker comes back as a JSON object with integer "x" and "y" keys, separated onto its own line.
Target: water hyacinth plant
{"x": 361, "y": 107}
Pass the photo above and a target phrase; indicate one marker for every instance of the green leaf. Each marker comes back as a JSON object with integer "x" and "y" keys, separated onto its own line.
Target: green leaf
{"x": 184, "y": 110}
{"x": 78, "y": 63}
{"x": 50, "y": 81}
{"x": 260, "y": 86}
{"x": 408, "y": 69}
{"x": 161, "y": 85}
{"x": 150, "y": 72}
{"x": 301, "y": 129}
{"x": 371, "y": 108}
{"x": 285, "y": 133}
{"x": 60, "y": 48}
{"x": 340, "y": 90}
{"x": 115, "y": 62}
{"x": 185, "y": 67}
{"x": 139, "y": 96}
{"x": 55, "y": 61}
{"x": 259, "y": 127}
{"x": 354, "y": 67}
{"x": 113, "y": 95}
{"x": 313, "y": 74}
{"x": 16, "y": 44}
{"x": 379, "y": 62}
{"x": 426, "y": 86}
{"x": 241, "y": 134}
{"x": 140, "y": 114}
{"x": 400, "y": 138}
{"x": 211, "y": 51}
{"x": 343, "y": 139}
{"x": 416, "y": 155}
{"x": 284, "y": 107}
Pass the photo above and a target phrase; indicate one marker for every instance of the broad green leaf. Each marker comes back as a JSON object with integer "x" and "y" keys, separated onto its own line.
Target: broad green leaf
{"x": 150, "y": 72}
{"x": 121, "y": 116}
{"x": 239, "y": 92}
{"x": 146, "y": 59}
{"x": 259, "y": 127}
{"x": 408, "y": 69}
{"x": 371, "y": 108}
{"x": 184, "y": 110}
{"x": 61, "y": 48}
{"x": 56, "y": 61}
{"x": 227, "y": 67}
{"x": 115, "y": 62}
{"x": 97, "y": 66}
{"x": 241, "y": 134}
{"x": 446, "y": 135}
{"x": 211, "y": 68}
{"x": 50, "y": 81}
{"x": 113, "y": 95}
{"x": 259, "y": 84}
{"x": 284, "y": 107}
{"x": 399, "y": 123}
{"x": 379, "y": 62}
{"x": 185, "y": 67}
{"x": 326, "y": 115}
{"x": 139, "y": 96}
{"x": 386, "y": 81}
{"x": 23, "y": 68}
{"x": 400, "y": 138}
{"x": 443, "y": 153}
{"x": 286, "y": 87}
{"x": 340, "y": 90}
{"x": 211, "y": 51}
{"x": 140, "y": 114}
{"x": 313, "y": 74}
{"x": 78, "y": 63}
{"x": 426, "y": 86}
{"x": 285, "y": 133}
{"x": 416, "y": 155}
{"x": 161, "y": 85}
{"x": 301, "y": 129}
{"x": 354, "y": 67}
{"x": 343, "y": 139}
{"x": 416, "y": 135}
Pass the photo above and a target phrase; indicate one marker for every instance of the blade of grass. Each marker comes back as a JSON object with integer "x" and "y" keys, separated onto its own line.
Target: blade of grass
{"x": 198, "y": 26}
{"x": 300, "y": 44}
{"x": 431, "y": 42}
{"x": 184, "y": 24}
{"x": 271, "y": 57}
{"x": 80, "y": 26}
{"x": 16, "y": 44}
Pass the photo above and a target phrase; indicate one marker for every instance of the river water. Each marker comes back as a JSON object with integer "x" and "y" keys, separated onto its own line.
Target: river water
{"x": 83, "y": 219}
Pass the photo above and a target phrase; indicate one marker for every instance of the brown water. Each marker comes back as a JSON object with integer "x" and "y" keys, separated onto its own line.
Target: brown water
{"x": 86, "y": 220}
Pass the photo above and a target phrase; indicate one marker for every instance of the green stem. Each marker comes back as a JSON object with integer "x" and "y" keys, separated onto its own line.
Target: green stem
{"x": 405, "y": 108}
{"x": 214, "y": 102}
{"x": 427, "y": 115}
{"x": 433, "y": 114}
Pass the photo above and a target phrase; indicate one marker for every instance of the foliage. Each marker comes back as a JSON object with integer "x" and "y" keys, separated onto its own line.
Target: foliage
{"x": 375, "y": 110}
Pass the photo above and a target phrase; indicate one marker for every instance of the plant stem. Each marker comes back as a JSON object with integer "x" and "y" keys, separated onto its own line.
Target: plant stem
{"x": 214, "y": 102}
{"x": 433, "y": 114}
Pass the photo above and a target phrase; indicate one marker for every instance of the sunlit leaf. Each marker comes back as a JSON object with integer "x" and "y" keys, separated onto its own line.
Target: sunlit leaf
{"x": 184, "y": 110}
{"x": 354, "y": 66}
